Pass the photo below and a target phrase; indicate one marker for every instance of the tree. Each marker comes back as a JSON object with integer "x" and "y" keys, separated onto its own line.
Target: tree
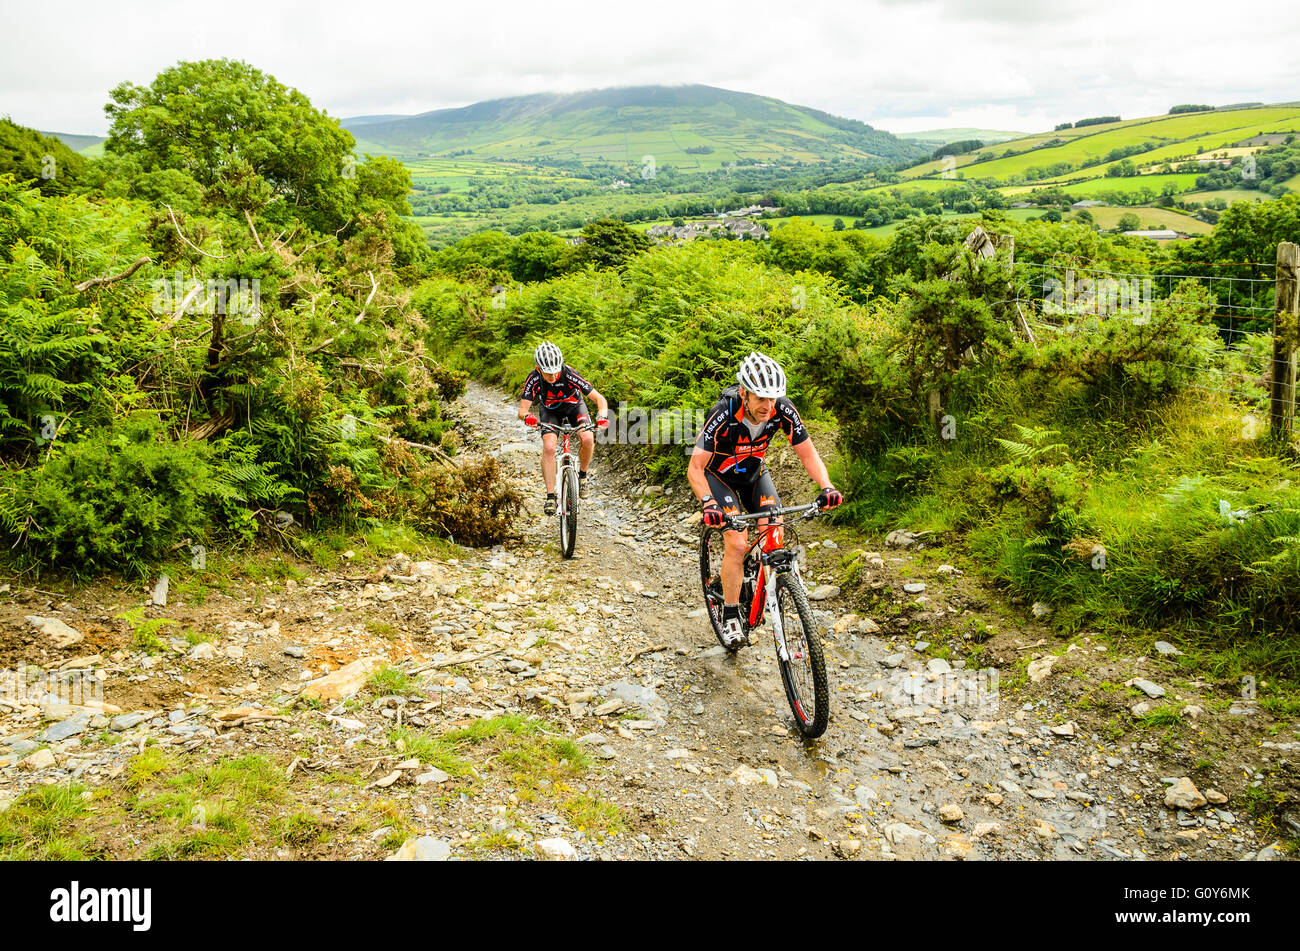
{"x": 608, "y": 243}
{"x": 383, "y": 182}
{"x": 1128, "y": 222}
{"x": 536, "y": 256}
{"x": 838, "y": 225}
{"x": 242, "y": 135}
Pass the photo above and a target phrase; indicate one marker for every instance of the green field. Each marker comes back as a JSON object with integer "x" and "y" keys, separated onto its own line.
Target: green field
{"x": 1136, "y": 183}
{"x": 1107, "y": 218}
{"x": 827, "y": 221}
{"x": 1177, "y": 136}
{"x": 920, "y": 184}
{"x": 1233, "y": 194}
{"x": 520, "y": 195}
{"x": 1020, "y": 145}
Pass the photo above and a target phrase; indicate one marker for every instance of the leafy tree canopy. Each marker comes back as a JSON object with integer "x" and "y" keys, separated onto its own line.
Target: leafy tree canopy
{"x": 244, "y": 136}
{"x": 608, "y": 243}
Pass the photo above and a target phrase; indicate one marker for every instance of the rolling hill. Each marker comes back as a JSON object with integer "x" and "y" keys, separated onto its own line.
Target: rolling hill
{"x": 1081, "y": 154}
{"x": 937, "y": 137}
{"x": 78, "y": 143}
{"x": 692, "y": 127}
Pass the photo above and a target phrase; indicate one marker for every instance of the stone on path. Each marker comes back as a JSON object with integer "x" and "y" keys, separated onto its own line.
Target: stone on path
{"x": 1040, "y": 669}
{"x": 41, "y": 759}
{"x": 343, "y": 683}
{"x": 62, "y": 635}
{"x": 1183, "y": 794}
{"x": 424, "y": 849}
{"x": 748, "y": 776}
{"x": 556, "y": 850}
{"x": 63, "y": 729}
{"x": 1146, "y": 686}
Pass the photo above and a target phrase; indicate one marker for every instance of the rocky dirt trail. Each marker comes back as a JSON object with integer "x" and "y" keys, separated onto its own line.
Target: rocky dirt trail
{"x": 510, "y": 703}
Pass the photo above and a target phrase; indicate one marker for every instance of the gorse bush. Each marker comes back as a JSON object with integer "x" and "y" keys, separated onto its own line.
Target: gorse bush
{"x": 1051, "y": 460}
{"x": 122, "y": 498}
{"x": 668, "y": 329}
{"x": 282, "y": 398}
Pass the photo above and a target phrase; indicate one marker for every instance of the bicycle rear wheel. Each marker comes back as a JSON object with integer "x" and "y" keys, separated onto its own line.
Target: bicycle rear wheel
{"x": 568, "y": 511}
{"x": 804, "y": 672}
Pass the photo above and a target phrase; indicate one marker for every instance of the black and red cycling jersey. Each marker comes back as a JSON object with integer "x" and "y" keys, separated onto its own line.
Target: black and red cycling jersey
{"x": 567, "y": 391}
{"x": 737, "y": 450}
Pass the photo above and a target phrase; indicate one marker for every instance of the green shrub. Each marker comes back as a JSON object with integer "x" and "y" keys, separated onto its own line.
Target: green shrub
{"x": 121, "y": 499}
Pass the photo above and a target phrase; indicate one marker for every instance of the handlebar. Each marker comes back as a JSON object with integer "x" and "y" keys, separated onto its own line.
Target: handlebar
{"x": 810, "y": 510}
{"x": 566, "y": 428}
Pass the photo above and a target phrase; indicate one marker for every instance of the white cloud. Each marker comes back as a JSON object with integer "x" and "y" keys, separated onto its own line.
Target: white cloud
{"x": 899, "y": 64}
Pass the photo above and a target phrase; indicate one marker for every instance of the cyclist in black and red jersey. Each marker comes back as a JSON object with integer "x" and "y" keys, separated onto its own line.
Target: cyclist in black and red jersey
{"x": 560, "y": 390}
{"x": 727, "y": 471}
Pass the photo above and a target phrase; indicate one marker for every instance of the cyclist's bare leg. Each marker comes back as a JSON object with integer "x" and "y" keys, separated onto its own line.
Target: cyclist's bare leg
{"x": 548, "y": 462}
{"x": 586, "y": 451}
{"x": 732, "y": 560}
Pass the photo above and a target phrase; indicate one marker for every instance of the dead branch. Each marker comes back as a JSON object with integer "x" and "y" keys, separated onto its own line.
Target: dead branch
{"x": 374, "y": 286}
{"x": 210, "y": 427}
{"x": 456, "y": 660}
{"x": 181, "y": 234}
{"x": 251, "y": 718}
{"x": 646, "y": 650}
{"x": 100, "y": 281}
{"x": 253, "y": 228}
{"x": 418, "y": 445}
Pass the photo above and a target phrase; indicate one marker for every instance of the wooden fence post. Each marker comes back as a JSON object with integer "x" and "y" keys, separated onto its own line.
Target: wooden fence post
{"x": 1286, "y": 339}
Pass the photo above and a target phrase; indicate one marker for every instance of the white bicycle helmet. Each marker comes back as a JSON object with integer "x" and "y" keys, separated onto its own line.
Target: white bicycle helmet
{"x": 762, "y": 376}
{"x": 548, "y": 358}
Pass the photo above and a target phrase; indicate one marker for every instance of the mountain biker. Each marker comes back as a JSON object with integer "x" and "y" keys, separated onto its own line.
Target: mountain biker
{"x": 560, "y": 389}
{"x": 727, "y": 470}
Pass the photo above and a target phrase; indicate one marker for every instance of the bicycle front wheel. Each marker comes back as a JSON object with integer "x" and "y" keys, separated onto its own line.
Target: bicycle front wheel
{"x": 568, "y": 512}
{"x": 804, "y": 670}
{"x": 712, "y": 548}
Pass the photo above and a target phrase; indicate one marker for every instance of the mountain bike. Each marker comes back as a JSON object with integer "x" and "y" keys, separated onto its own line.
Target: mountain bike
{"x": 566, "y": 482}
{"x": 771, "y": 584}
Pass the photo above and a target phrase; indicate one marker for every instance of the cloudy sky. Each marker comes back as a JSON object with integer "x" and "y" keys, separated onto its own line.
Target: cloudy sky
{"x": 901, "y": 65}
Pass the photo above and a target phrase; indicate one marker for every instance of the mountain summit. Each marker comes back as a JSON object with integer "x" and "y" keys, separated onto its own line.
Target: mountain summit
{"x": 690, "y": 126}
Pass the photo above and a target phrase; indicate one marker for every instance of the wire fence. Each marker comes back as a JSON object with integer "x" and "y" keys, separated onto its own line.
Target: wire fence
{"x": 1073, "y": 298}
